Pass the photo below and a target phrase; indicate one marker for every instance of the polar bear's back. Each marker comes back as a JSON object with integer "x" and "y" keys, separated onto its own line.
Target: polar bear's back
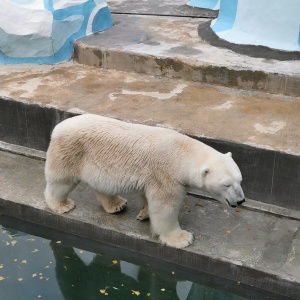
{"x": 96, "y": 129}
{"x": 98, "y": 149}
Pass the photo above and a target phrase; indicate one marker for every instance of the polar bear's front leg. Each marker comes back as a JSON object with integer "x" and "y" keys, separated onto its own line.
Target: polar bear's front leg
{"x": 111, "y": 204}
{"x": 164, "y": 222}
{"x": 178, "y": 238}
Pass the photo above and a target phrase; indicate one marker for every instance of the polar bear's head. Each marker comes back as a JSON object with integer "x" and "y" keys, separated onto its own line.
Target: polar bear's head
{"x": 222, "y": 180}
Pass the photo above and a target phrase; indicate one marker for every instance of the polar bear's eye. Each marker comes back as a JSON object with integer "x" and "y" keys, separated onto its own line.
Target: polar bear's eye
{"x": 226, "y": 184}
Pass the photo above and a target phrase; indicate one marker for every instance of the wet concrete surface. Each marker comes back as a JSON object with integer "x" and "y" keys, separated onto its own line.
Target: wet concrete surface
{"x": 171, "y": 47}
{"x": 207, "y": 34}
{"x": 251, "y": 247}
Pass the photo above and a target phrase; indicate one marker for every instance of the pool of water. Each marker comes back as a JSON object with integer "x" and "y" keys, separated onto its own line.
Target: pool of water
{"x": 38, "y": 263}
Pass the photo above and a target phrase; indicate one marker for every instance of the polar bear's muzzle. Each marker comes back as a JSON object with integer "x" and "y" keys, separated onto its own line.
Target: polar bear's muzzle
{"x": 238, "y": 203}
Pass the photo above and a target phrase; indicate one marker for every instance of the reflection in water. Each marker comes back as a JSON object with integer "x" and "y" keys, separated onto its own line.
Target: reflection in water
{"x": 55, "y": 270}
{"x": 79, "y": 280}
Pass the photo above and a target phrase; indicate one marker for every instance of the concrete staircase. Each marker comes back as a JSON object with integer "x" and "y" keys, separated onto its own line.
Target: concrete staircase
{"x": 153, "y": 68}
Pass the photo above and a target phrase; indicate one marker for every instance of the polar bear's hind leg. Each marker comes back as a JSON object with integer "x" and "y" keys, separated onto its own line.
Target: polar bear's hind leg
{"x": 111, "y": 204}
{"x": 56, "y": 194}
{"x": 143, "y": 214}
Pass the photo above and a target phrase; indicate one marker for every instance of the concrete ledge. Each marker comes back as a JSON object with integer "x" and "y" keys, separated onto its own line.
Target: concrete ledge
{"x": 253, "y": 248}
{"x": 249, "y": 204}
{"x": 166, "y": 46}
{"x": 146, "y": 262}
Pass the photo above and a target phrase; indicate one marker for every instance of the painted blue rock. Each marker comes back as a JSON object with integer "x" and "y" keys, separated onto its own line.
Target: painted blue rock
{"x": 35, "y": 31}
{"x": 271, "y": 23}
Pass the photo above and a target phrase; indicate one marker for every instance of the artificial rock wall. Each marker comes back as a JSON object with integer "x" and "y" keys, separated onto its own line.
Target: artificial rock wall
{"x": 43, "y": 31}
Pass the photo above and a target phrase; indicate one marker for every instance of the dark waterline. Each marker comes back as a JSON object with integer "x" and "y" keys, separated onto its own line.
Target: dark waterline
{"x": 48, "y": 264}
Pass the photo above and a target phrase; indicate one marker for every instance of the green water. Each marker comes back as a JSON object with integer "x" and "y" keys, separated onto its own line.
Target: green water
{"x": 57, "y": 267}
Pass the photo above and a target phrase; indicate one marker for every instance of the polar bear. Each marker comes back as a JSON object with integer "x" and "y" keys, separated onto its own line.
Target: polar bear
{"x": 115, "y": 157}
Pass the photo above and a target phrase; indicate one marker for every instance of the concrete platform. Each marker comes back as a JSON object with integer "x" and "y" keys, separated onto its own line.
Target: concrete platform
{"x": 252, "y": 248}
{"x": 171, "y": 46}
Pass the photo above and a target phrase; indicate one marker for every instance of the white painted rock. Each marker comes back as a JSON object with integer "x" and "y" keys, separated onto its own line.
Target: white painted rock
{"x": 35, "y": 31}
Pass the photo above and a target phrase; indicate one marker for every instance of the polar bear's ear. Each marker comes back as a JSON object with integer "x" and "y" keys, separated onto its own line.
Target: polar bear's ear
{"x": 204, "y": 171}
{"x": 229, "y": 154}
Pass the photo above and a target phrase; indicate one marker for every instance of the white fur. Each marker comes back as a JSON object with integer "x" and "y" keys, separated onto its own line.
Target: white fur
{"x": 115, "y": 157}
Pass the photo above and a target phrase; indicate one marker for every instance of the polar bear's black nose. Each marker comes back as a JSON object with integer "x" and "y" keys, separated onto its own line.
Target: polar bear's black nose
{"x": 240, "y": 202}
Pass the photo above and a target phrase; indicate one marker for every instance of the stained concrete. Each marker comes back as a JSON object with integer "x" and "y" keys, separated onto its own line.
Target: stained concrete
{"x": 171, "y": 47}
{"x": 250, "y": 247}
{"x": 252, "y": 118}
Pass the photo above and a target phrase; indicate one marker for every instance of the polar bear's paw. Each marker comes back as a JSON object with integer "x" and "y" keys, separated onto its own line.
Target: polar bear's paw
{"x": 177, "y": 239}
{"x": 143, "y": 214}
{"x": 61, "y": 207}
{"x": 115, "y": 204}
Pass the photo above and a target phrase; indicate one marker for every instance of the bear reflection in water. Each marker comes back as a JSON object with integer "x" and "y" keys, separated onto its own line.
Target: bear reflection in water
{"x": 82, "y": 277}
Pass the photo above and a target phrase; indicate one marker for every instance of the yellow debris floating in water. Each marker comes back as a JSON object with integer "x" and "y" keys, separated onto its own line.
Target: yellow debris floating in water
{"x": 13, "y": 242}
{"x": 163, "y": 290}
{"x": 2, "y": 278}
{"x": 24, "y": 262}
{"x": 34, "y": 275}
{"x": 137, "y": 293}
{"x": 1, "y": 266}
{"x": 58, "y": 242}
{"x": 228, "y": 231}
{"x": 20, "y": 279}
{"x": 148, "y": 294}
{"x": 104, "y": 292}
{"x": 114, "y": 262}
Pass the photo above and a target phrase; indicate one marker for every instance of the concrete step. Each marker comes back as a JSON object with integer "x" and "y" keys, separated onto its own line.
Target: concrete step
{"x": 261, "y": 130}
{"x": 250, "y": 247}
{"x": 176, "y": 8}
{"x": 171, "y": 47}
